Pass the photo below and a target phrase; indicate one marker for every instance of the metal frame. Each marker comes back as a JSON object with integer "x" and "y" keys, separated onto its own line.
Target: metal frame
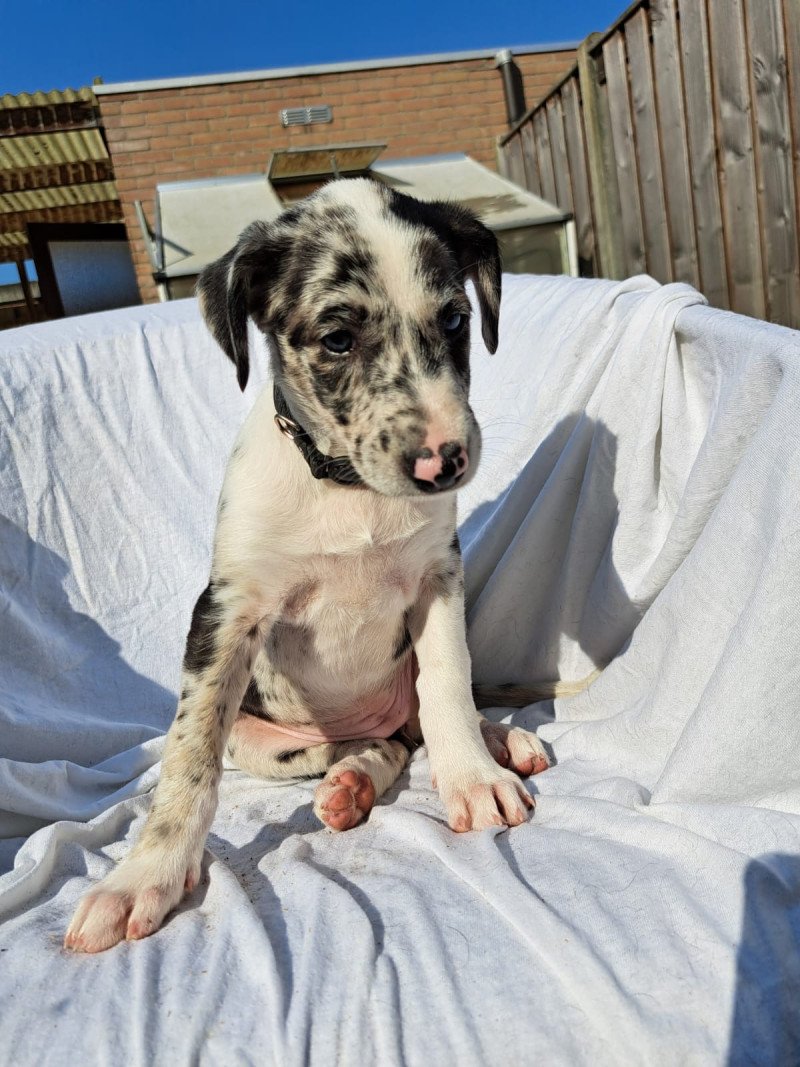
{"x": 331, "y": 150}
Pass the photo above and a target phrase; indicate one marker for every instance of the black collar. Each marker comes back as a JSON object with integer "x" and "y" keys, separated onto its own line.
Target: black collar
{"x": 338, "y": 470}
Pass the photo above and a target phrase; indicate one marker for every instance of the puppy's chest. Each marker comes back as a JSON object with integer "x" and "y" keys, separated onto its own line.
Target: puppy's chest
{"x": 380, "y": 582}
{"x": 363, "y": 571}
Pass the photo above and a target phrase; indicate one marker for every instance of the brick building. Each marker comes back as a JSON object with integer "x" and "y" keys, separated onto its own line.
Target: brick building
{"x": 221, "y": 125}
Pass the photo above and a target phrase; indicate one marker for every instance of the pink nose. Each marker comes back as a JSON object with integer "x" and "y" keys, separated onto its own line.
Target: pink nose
{"x": 443, "y": 467}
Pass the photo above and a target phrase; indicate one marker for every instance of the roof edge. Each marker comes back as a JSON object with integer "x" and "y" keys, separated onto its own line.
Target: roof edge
{"x": 275, "y": 73}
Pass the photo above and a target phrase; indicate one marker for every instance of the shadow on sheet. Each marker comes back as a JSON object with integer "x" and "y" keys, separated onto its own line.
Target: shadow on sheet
{"x": 71, "y": 708}
{"x": 766, "y": 1016}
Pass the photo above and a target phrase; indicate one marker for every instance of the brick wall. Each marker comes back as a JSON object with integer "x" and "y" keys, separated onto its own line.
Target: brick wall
{"x": 207, "y": 131}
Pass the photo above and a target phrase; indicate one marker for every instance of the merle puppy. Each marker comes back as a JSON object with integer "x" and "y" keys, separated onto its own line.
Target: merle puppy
{"x": 332, "y": 631}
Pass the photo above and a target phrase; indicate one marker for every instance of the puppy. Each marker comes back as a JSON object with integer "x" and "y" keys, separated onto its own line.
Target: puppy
{"x": 331, "y": 631}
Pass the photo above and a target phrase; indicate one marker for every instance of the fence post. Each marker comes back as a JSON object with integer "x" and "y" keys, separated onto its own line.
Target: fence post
{"x": 602, "y": 167}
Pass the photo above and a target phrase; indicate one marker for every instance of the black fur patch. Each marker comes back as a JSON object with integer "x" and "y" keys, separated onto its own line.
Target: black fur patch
{"x": 472, "y": 244}
{"x": 287, "y": 757}
{"x": 235, "y": 286}
{"x": 160, "y": 828}
{"x": 200, "y": 641}
{"x": 404, "y": 641}
{"x": 254, "y": 702}
{"x": 434, "y": 264}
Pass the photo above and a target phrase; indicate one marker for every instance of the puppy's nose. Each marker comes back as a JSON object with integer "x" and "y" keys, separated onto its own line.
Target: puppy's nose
{"x": 442, "y": 468}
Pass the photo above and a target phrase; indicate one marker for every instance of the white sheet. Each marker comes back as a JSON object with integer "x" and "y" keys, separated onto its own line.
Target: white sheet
{"x": 637, "y": 503}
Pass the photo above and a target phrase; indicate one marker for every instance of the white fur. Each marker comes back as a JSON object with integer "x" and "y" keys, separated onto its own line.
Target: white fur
{"x": 345, "y": 564}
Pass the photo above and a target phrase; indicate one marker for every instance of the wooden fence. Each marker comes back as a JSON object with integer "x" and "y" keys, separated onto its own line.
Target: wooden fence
{"x": 675, "y": 141}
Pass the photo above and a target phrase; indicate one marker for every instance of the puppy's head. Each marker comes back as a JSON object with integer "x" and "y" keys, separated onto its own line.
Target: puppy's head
{"x": 360, "y": 290}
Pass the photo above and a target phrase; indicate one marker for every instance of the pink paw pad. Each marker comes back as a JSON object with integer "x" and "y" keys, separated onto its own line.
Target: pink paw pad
{"x": 350, "y": 796}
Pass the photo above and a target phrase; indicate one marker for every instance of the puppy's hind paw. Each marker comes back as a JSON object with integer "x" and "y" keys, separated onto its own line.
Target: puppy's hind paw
{"x": 344, "y": 798}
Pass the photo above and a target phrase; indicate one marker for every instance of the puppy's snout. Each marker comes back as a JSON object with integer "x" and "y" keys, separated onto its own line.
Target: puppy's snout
{"x": 439, "y": 465}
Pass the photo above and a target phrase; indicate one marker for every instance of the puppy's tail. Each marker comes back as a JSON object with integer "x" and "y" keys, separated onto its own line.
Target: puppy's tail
{"x": 519, "y": 696}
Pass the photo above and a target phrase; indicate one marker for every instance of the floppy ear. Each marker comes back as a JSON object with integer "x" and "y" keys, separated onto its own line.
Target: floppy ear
{"x": 227, "y": 291}
{"x": 478, "y": 255}
{"x": 473, "y": 245}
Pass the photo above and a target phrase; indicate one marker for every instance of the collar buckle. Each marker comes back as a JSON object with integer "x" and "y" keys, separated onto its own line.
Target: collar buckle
{"x": 288, "y": 427}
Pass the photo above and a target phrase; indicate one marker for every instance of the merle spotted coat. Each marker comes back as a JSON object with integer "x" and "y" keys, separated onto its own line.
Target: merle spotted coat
{"x": 332, "y": 631}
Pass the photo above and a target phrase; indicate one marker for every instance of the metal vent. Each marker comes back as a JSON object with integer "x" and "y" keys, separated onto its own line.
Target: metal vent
{"x": 306, "y": 116}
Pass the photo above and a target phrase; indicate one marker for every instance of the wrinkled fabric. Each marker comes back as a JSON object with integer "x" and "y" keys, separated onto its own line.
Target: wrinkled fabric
{"x": 636, "y": 508}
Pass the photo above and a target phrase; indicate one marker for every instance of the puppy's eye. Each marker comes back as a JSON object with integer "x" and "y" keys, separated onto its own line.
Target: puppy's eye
{"x": 339, "y": 341}
{"x": 453, "y": 322}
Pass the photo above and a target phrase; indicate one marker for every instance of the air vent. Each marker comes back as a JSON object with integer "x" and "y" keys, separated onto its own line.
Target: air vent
{"x": 306, "y": 116}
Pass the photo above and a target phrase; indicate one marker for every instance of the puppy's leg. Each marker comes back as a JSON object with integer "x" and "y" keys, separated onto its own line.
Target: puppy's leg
{"x": 251, "y": 748}
{"x": 361, "y": 773}
{"x": 513, "y": 747}
{"x": 165, "y": 862}
{"x": 476, "y": 791}
{"x": 358, "y": 772}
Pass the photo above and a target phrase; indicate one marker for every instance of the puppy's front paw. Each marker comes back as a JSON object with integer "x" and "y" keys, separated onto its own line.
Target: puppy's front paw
{"x": 483, "y": 797}
{"x": 513, "y": 747}
{"x": 131, "y": 903}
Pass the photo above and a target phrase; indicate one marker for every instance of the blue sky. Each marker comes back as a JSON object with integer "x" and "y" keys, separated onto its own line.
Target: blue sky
{"x": 59, "y": 44}
{"x": 55, "y": 44}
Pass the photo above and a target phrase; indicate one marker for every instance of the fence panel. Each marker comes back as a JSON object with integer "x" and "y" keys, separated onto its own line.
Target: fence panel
{"x": 735, "y": 155}
{"x": 701, "y": 140}
{"x": 576, "y": 152}
{"x": 675, "y": 143}
{"x": 541, "y": 137}
{"x": 671, "y": 117}
{"x": 791, "y": 25}
{"x": 558, "y": 149}
{"x": 515, "y": 163}
{"x": 616, "y": 69}
{"x": 773, "y": 157}
{"x": 531, "y": 162}
{"x": 648, "y": 152}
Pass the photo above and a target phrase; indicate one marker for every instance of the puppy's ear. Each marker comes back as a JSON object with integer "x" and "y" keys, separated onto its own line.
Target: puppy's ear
{"x": 478, "y": 255}
{"x": 474, "y": 246}
{"x": 231, "y": 288}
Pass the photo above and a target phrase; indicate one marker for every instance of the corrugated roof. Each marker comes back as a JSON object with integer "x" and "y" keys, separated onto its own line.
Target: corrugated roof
{"x": 12, "y": 243}
{"x": 35, "y": 199}
{"x": 45, "y": 148}
{"x": 55, "y": 96}
{"x": 54, "y": 165}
